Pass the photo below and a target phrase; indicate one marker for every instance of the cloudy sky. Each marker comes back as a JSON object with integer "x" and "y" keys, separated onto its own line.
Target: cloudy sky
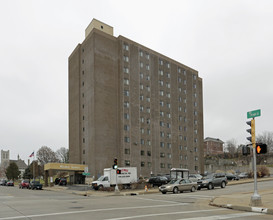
{"x": 230, "y": 44}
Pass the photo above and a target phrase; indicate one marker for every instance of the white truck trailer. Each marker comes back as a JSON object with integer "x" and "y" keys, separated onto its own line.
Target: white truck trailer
{"x": 127, "y": 176}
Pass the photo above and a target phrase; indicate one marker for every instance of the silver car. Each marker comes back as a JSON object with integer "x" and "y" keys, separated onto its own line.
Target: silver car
{"x": 180, "y": 185}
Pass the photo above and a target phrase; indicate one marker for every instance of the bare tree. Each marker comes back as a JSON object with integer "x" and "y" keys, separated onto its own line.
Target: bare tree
{"x": 266, "y": 138}
{"x": 46, "y": 155}
{"x": 230, "y": 146}
{"x": 63, "y": 155}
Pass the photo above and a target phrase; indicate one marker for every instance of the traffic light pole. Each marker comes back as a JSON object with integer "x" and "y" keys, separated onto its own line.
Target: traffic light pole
{"x": 256, "y": 199}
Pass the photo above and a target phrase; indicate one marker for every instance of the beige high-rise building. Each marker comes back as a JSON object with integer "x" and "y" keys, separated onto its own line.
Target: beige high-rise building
{"x": 129, "y": 102}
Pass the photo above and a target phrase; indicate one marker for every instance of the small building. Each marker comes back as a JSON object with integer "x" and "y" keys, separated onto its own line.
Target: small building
{"x": 213, "y": 146}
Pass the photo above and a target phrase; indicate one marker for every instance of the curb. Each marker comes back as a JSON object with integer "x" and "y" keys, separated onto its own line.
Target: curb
{"x": 243, "y": 208}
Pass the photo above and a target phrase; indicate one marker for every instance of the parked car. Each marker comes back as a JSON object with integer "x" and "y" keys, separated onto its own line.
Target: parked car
{"x": 180, "y": 185}
{"x": 3, "y": 182}
{"x": 243, "y": 175}
{"x": 195, "y": 177}
{"x": 24, "y": 184}
{"x": 62, "y": 182}
{"x": 231, "y": 176}
{"x": 158, "y": 180}
{"x": 35, "y": 185}
{"x": 213, "y": 180}
{"x": 10, "y": 183}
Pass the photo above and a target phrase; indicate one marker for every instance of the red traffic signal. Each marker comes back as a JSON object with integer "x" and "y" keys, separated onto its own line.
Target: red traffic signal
{"x": 118, "y": 171}
{"x": 261, "y": 148}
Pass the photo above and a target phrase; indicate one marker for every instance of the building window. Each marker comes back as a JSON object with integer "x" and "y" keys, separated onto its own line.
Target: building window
{"x": 169, "y": 125}
{"x": 142, "y": 119}
{"x": 126, "y": 70}
{"x": 148, "y": 88}
{"x": 161, "y": 103}
{"x": 195, "y": 149}
{"x": 168, "y": 95}
{"x": 168, "y": 85}
{"x": 148, "y": 121}
{"x": 142, "y": 164}
{"x": 169, "y": 145}
{"x": 126, "y": 127}
{"x": 168, "y": 105}
{"x": 126, "y": 47}
{"x": 127, "y": 151}
{"x": 168, "y": 65}
{"x": 161, "y": 72}
{"x": 142, "y": 130}
{"x": 161, "y": 123}
{"x": 162, "y": 165}
{"x": 142, "y": 141}
{"x": 148, "y": 110}
{"x": 141, "y": 64}
{"x": 147, "y": 67}
{"x": 162, "y": 134}
{"x": 140, "y": 53}
{"x": 149, "y": 153}
{"x": 181, "y": 157}
{"x": 194, "y": 77}
{"x": 169, "y": 166}
{"x": 126, "y": 104}
{"x": 148, "y": 99}
{"x": 127, "y": 163}
{"x": 180, "y": 147}
{"x": 186, "y": 157}
{"x": 148, "y": 142}
{"x": 196, "y": 158}
{"x": 149, "y": 164}
{"x": 147, "y": 56}
{"x": 169, "y": 135}
{"x": 162, "y": 155}
{"x": 83, "y": 152}
{"x": 127, "y": 139}
{"x": 162, "y": 144}
{"x": 142, "y": 153}
{"x": 126, "y": 116}
{"x": 141, "y": 108}
{"x": 148, "y": 131}
{"x": 126, "y": 59}
{"x": 161, "y": 92}
{"x": 126, "y": 81}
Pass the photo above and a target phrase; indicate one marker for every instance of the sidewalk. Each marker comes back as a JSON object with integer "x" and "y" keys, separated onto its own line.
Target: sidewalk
{"x": 241, "y": 201}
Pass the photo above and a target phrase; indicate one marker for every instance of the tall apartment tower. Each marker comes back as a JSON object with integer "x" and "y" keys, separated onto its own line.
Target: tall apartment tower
{"x": 129, "y": 102}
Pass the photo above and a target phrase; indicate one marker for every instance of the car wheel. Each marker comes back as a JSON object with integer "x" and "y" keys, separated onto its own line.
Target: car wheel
{"x": 223, "y": 184}
{"x": 193, "y": 189}
{"x": 175, "y": 190}
{"x": 163, "y": 192}
{"x": 100, "y": 187}
{"x": 210, "y": 186}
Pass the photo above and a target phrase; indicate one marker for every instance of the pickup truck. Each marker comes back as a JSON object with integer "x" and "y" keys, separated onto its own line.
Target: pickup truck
{"x": 213, "y": 180}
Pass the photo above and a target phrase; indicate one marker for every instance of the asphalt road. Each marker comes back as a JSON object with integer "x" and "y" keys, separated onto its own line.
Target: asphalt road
{"x": 41, "y": 204}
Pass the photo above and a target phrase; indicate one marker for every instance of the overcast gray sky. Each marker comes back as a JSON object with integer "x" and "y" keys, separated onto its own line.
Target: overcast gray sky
{"x": 230, "y": 44}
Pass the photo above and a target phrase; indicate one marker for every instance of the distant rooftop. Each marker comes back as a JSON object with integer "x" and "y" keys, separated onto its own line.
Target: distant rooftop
{"x": 213, "y": 139}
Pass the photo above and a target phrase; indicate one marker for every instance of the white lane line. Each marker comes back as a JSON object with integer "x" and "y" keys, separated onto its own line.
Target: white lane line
{"x": 166, "y": 213}
{"x": 157, "y": 200}
{"x": 228, "y": 216}
{"x": 88, "y": 211}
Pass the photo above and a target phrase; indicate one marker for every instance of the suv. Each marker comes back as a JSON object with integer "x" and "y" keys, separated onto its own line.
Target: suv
{"x": 210, "y": 181}
{"x": 35, "y": 185}
{"x": 158, "y": 180}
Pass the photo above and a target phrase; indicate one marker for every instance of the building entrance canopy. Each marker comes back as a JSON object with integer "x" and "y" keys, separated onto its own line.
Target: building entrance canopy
{"x": 77, "y": 169}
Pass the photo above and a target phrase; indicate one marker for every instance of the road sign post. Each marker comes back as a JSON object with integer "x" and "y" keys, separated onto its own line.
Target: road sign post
{"x": 256, "y": 199}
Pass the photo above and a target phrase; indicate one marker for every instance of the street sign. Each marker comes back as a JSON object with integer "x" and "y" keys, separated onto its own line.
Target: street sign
{"x": 86, "y": 174}
{"x": 253, "y": 114}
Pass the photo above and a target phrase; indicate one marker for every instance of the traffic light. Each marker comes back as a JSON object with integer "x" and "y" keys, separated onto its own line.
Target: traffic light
{"x": 261, "y": 148}
{"x": 251, "y": 131}
{"x": 115, "y": 166}
{"x": 246, "y": 150}
{"x": 118, "y": 171}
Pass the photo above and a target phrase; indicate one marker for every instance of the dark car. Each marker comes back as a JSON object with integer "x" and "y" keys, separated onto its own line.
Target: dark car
{"x": 213, "y": 180}
{"x": 231, "y": 176}
{"x": 10, "y": 183}
{"x": 62, "y": 182}
{"x": 3, "y": 182}
{"x": 35, "y": 185}
{"x": 24, "y": 184}
{"x": 158, "y": 180}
